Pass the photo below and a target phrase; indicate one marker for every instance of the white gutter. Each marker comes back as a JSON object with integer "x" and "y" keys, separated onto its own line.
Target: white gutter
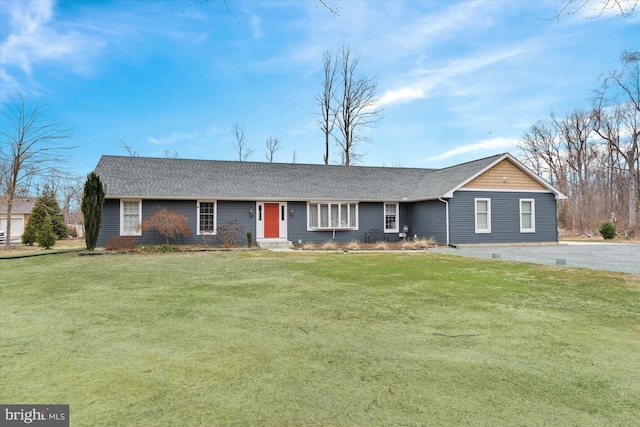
{"x": 446, "y": 216}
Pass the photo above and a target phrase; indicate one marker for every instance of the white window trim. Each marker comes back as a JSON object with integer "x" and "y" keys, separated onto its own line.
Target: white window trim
{"x": 475, "y": 208}
{"x": 344, "y": 202}
{"x": 138, "y": 231}
{"x": 384, "y": 219}
{"x": 215, "y": 218}
{"x": 532, "y": 229}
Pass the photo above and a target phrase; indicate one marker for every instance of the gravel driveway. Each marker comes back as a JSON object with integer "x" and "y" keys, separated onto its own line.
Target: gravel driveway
{"x": 623, "y": 257}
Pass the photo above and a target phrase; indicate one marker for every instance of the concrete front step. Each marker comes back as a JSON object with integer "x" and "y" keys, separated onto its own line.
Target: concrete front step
{"x": 275, "y": 244}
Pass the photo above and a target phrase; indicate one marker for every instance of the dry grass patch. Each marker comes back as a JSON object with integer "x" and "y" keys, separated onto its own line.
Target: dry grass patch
{"x": 408, "y": 245}
{"x": 419, "y": 244}
{"x": 329, "y": 246}
{"x": 381, "y": 246}
{"x": 353, "y": 245}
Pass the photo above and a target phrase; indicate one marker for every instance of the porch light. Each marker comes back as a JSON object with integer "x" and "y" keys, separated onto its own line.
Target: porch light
{"x": 251, "y": 211}
{"x": 290, "y": 211}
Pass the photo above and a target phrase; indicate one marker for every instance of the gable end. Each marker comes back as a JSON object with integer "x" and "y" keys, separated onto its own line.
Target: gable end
{"x": 505, "y": 175}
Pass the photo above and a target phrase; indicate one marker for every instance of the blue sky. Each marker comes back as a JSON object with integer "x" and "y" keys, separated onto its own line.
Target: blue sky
{"x": 456, "y": 80}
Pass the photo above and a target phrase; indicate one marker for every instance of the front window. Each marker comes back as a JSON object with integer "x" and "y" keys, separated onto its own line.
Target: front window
{"x": 483, "y": 215}
{"x": 527, "y": 216}
{"x": 206, "y": 217}
{"x": 390, "y": 217}
{"x": 130, "y": 217}
{"x": 333, "y": 215}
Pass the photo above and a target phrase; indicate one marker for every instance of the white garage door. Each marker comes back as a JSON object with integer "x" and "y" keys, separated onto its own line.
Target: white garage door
{"x": 17, "y": 226}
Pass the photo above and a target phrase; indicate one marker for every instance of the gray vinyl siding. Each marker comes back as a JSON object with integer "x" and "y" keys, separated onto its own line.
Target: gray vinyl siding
{"x": 428, "y": 219}
{"x": 505, "y": 218}
{"x": 239, "y": 211}
{"x": 370, "y": 216}
{"x": 424, "y": 219}
{"x": 225, "y": 210}
{"x": 297, "y": 223}
{"x": 185, "y": 207}
{"x": 110, "y": 225}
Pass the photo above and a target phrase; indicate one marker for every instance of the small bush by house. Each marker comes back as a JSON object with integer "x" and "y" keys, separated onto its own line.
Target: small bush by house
{"x": 607, "y": 230}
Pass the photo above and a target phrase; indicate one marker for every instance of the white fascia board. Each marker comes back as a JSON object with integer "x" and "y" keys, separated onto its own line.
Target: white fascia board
{"x": 559, "y": 195}
{"x": 518, "y": 163}
{"x": 264, "y": 199}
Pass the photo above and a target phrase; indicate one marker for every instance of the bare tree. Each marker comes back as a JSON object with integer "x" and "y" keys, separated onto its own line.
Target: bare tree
{"x": 273, "y": 145}
{"x": 355, "y": 108}
{"x": 563, "y": 150}
{"x": 29, "y": 148}
{"x": 593, "y": 156}
{"x": 618, "y": 121}
{"x": 544, "y": 152}
{"x": 68, "y": 192}
{"x": 240, "y": 143}
{"x": 71, "y": 196}
{"x": 596, "y": 8}
{"x": 325, "y": 101}
{"x": 169, "y": 155}
{"x": 581, "y": 154}
{"x": 129, "y": 149}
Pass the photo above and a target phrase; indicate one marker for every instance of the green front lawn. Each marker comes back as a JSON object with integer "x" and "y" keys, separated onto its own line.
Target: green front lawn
{"x": 321, "y": 339}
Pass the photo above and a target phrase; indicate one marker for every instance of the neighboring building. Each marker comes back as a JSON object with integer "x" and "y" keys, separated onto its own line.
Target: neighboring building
{"x": 20, "y": 212}
{"x": 491, "y": 200}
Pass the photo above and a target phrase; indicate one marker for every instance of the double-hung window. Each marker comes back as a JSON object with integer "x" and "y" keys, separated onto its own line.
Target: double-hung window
{"x": 206, "y": 217}
{"x": 527, "y": 215}
{"x": 130, "y": 217}
{"x": 333, "y": 215}
{"x": 483, "y": 215}
{"x": 390, "y": 217}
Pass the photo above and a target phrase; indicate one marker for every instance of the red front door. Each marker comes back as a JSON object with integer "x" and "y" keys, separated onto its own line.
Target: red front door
{"x": 271, "y": 220}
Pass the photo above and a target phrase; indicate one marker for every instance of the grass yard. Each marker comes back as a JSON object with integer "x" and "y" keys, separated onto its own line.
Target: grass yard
{"x": 319, "y": 339}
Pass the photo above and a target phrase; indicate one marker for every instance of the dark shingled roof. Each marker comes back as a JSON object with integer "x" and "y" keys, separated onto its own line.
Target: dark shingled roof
{"x": 190, "y": 179}
{"x": 21, "y": 205}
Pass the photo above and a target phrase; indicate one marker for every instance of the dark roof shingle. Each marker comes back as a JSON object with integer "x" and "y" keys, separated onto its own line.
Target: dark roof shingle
{"x": 183, "y": 178}
{"x": 21, "y": 205}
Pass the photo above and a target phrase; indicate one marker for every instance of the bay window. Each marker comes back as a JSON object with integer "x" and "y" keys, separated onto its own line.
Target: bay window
{"x": 332, "y": 216}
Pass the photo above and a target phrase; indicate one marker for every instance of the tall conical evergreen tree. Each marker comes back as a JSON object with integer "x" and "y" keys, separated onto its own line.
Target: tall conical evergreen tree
{"x": 53, "y": 211}
{"x": 92, "y": 202}
{"x": 46, "y": 237}
{"x": 45, "y": 210}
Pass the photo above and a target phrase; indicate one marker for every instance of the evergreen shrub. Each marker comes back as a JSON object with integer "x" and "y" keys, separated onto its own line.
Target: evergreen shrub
{"x": 607, "y": 230}
{"x": 46, "y": 237}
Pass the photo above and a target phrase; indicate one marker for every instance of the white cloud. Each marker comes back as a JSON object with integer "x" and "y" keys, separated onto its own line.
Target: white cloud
{"x": 34, "y": 39}
{"x": 405, "y": 94}
{"x": 484, "y": 145}
{"x": 256, "y": 27}
{"x": 427, "y": 81}
{"x": 184, "y": 137}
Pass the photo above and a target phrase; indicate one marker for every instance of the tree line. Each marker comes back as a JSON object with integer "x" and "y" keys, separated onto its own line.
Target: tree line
{"x": 592, "y": 154}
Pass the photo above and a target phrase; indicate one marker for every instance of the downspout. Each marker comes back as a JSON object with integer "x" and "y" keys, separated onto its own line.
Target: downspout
{"x": 446, "y": 216}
